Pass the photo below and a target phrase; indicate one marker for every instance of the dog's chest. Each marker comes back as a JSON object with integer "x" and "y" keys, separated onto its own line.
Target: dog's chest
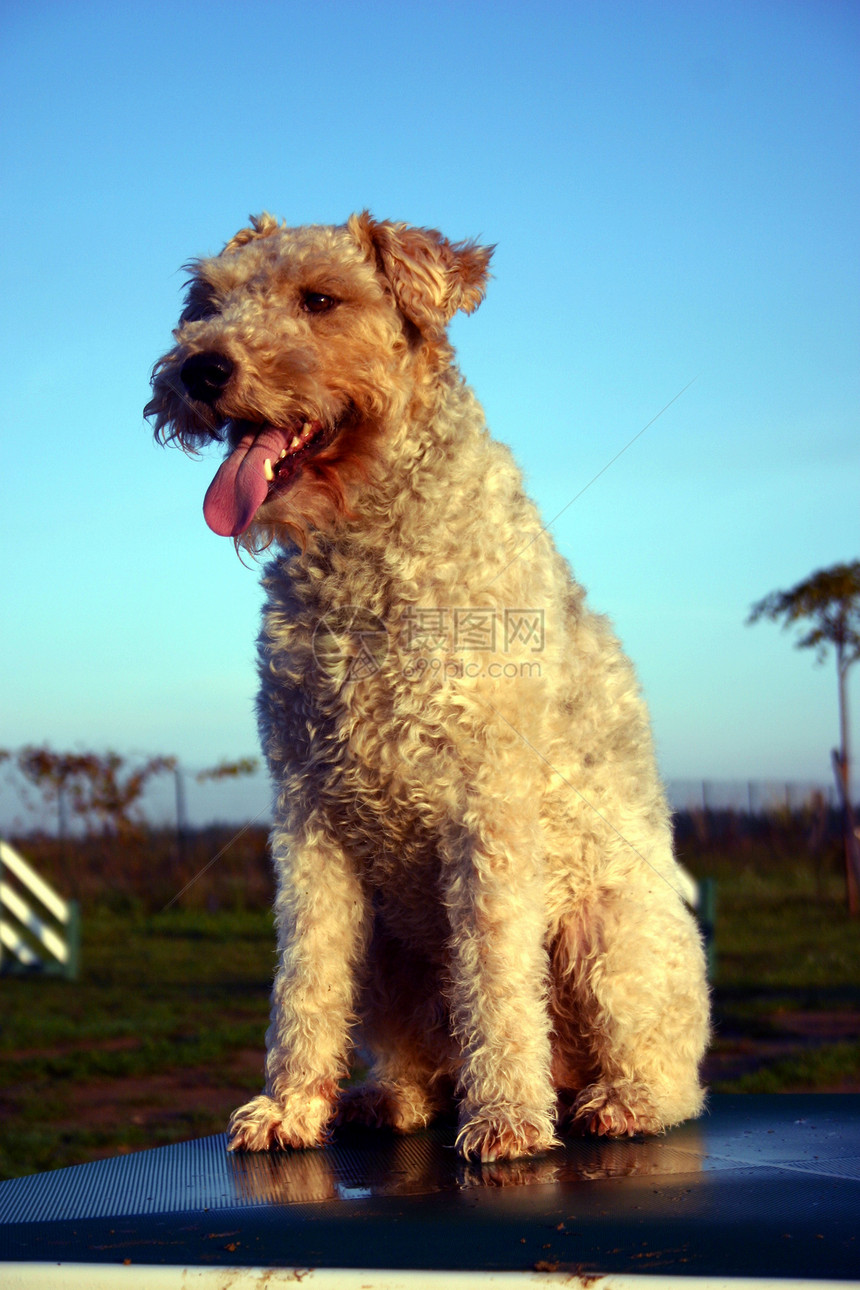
{"x": 342, "y": 719}
{"x": 383, "y": 805}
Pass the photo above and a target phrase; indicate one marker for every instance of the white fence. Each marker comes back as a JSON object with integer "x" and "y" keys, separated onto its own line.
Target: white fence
{"x": 39, "y": 931}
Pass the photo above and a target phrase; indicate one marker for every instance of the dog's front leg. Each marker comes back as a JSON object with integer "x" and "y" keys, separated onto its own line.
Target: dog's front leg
{"x": 322, "y": 923}
{"x": 498, "y": 974}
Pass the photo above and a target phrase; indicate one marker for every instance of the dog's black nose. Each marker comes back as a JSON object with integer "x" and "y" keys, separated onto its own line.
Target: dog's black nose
{"x": 205, "y": 375}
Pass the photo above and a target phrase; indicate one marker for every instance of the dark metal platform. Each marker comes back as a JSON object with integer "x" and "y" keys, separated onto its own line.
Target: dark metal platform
{"x": 763, "y": 1187}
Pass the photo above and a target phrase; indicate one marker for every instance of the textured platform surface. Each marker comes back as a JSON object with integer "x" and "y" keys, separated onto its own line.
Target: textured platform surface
{"x": 760, "y": 1187}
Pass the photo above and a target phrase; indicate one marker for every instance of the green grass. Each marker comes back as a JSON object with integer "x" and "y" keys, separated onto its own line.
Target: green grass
{"x": 164, "y": 1003}
{"x": 145, "y": 977}
{"x": 824, "y": 1067}
{"x": 164, "y": 1033}
{"x": 784, "y": 930}
{"x": 784, "y": 945}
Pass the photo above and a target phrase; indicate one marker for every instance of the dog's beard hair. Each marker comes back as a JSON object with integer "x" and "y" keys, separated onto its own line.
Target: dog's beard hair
{"x": 317, "y": 508}
{"x": 177, "y": 419}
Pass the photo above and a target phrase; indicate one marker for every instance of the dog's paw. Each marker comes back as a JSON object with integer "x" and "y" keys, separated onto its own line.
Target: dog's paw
{"x": 300, "y": 1121}
{"x": 614, "y": 1112}
{"x": 406, "y": 1108}
{"x": 507, "y": 1133}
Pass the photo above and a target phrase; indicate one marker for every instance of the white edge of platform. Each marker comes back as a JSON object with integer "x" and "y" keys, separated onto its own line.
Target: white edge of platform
{"x": 111, "y": 1276}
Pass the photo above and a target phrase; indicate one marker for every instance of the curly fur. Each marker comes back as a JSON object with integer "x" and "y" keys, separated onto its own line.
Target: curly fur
{"x": 476, "y": 882}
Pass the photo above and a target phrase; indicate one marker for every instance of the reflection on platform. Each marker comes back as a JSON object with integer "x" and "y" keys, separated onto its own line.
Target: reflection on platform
{"x": 365, "y": 1164}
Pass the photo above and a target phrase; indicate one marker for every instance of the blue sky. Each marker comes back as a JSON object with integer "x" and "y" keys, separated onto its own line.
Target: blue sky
{"x": 673, "y": 191}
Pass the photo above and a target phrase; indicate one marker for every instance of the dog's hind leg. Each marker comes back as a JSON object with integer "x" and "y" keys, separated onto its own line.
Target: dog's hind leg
{"x": 322, "y": 922}
{"x": 405, "y": 1036}
{"x": 630, "y": 966}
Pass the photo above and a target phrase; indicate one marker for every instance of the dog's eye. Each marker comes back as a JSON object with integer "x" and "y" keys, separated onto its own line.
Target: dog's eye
{"x": 200, "y": 301}
{"x": 199, "y": 312}
{"x": 316, "y": 302}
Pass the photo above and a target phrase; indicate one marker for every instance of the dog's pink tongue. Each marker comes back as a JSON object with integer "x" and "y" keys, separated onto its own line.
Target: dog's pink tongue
{"x": 240, "y": 486}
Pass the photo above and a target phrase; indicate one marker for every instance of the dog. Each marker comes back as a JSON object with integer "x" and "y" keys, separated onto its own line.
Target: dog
{"x": 476, "y": 882}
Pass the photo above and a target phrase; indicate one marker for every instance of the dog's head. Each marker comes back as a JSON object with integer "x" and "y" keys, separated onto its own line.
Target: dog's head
{"x": 301, "y": 349}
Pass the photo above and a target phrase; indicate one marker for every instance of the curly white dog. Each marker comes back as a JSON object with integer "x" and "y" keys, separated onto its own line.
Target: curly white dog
{"x": 476, "y": 878}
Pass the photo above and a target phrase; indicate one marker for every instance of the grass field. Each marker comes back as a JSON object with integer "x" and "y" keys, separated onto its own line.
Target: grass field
{"x": 787, "y": 983}
{"x": 163, "y": 1034}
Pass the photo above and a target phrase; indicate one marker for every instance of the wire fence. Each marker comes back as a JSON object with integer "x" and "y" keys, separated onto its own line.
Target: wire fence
{"x": 178, "y": 800}
{"x": 175, "y": 799}
{"x": 754, "y": 797}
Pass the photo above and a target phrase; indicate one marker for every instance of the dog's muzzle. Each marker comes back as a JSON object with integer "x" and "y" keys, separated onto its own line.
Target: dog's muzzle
{"x": 205, "y": 375}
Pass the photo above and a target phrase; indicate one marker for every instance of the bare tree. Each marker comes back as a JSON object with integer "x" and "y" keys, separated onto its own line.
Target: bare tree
{"x": 826, "y": 605}
{"x": 97, "y": 786}
{"x": 229, "y": 770}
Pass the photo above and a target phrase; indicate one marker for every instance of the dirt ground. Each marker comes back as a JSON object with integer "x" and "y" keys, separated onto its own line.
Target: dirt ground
{"x": 735, "y": 1053}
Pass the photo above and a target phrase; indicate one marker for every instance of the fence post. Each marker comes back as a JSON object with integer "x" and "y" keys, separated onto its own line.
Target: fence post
{"x": 706, "y": 913}
{"x": 73, "y": 942}
{"x": 181, "y": 827}
{"x": 851, "y": 841}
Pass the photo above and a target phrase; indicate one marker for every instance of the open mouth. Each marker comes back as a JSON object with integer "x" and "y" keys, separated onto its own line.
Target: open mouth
{"x": 263, "y": 462}
{"x": 307, "y": 440}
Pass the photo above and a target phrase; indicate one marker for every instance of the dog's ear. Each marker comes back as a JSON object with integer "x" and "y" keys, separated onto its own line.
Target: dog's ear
{"x": 430, "y": 277}
{"x": 261, "y": 226}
